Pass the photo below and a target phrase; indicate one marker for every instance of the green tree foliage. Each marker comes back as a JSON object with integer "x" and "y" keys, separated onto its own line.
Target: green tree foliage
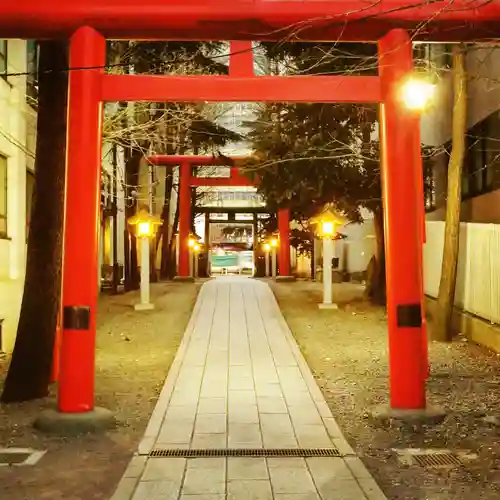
{"x": 309, "y": 155}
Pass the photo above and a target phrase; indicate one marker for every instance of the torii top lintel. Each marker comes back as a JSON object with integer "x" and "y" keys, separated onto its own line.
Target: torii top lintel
{"x": 314, "y": 20}
{"x": 235, "y": 179}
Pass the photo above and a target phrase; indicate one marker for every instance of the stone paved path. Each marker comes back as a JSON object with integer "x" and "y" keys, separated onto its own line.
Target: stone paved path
{"x": 240, "y": 382}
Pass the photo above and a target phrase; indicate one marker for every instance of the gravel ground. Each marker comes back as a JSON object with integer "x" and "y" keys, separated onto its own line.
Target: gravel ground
{"x": 347, "y": 352}
{"x": 135, "y": 350}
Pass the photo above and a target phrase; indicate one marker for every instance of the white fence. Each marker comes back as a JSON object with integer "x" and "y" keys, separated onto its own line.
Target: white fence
{"x": 478, "y": 277}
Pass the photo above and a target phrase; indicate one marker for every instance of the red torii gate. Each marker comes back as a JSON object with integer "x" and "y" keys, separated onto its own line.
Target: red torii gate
{"x": 388, "y": 22}
{"x": 187, "y": 180}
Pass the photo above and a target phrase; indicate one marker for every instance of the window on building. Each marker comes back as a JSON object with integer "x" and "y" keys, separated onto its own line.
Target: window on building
{"x": 32, "y": 67}
{"x": 429, "y": 185}
{"x": 30, "y": 189}
{"x": 481, "y": 172}
{"x": 3, "y": 58}
{"x": 434, "y": 57}
{"x": 3, "y": 196}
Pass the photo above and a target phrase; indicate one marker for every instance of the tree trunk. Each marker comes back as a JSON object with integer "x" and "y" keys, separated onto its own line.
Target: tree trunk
{"x": 29, "y": 371}
{"x": 446, "y": 296}
{"x": 132, "y": 176}
{"x": 164, "y": 229}
{"x": 172, "y": 243}
{"x": 376, "y": 282}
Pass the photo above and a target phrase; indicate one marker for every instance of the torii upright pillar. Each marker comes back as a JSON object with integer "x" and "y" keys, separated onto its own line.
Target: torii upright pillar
{"x": 403, "y": 231}
{"x": 75, "y": 403}
{"x": 184, "y": 221}
{"x": 284, "y": 248}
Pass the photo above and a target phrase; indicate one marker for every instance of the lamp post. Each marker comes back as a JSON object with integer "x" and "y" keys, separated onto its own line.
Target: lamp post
{"x": 145, "y": 227}
{"x": 267, "y": 250}
{"x": 274, "y": 247}
{"x": 328, "y": 222}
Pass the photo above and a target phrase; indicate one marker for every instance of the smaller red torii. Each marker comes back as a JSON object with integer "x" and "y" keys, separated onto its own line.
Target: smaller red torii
{"x": 187, "y": 180}
{"x": 235, "y": 178}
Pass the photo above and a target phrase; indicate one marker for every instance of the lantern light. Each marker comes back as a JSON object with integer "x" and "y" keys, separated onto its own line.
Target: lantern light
{"x": 328, "y": 222}
{"x": 267, "y": 247}
{"x": 327, "y": 228}
{"x": 144, "y": 229}
{"x": 274, "y": 242}
{"x": 191, "y": 242}
{"x": 417, "y": 93}
{"x": 145, "y": 224}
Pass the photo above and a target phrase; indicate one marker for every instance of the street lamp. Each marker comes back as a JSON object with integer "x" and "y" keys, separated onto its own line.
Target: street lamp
{"x": 274, "y": 246}
{"x": 267, "y": 250}
{"x": 145, "y": 227}
{"x": 327, "y": 222}
{"x": 417, "y": 93}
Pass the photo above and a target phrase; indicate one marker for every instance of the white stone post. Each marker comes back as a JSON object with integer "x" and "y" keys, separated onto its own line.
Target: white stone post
{"x": 327, "y": 273}
{"x": 145, "y": 303}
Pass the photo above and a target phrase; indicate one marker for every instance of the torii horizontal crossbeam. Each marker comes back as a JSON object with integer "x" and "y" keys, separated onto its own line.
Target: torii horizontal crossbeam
{"x": 207, "y": 88}
{"x": 328, "y": 20}
{"x": 192, "y": 159}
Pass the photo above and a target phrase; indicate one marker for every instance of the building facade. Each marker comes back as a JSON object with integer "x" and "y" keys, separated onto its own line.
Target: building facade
{"x": 17, "y": 154}
{"x": 481, "y": 169}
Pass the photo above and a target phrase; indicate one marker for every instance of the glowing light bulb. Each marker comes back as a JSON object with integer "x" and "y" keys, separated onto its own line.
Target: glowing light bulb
{"x": 417, "y": 93}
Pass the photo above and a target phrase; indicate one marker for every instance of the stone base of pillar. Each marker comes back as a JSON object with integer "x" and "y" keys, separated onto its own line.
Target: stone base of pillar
{"x": 144, "y": 307}
{"x": 285, "y": 279}
{"x": 426, "y": 416}
{"x": 52, "y": 421}
{"x": 184, "y": 279}
{"x": 328, "y": 306}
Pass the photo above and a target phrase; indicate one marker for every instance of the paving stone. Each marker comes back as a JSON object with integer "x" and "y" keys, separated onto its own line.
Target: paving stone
{"x": 176, "y": 433}
{"x": 204, "y": 481}
{"x": 246, "y": 468}
{"x": 276, "y": 423}
{"x": 287, "y": 463}
{"x": 212, "y": 405}
{"x": 341, "y": 489}
{"x": 209, "y": 441}
{"x": 157, "y": 490}
{"x": 267, "y": 404}
{"x": 312, "y": 436}
{"x": 164, "y": 469}
{"x": 249, "y": 490}
{"x": 135, "y": 466}
{"x": 300, "y": 496}
{"x": 247, "y": 414}
{"x": 291, "y": 480}
{"x": 203, "y": 497}
{"x": 207, "y": 463}
{"x": 211, "y": 423}
{"x": 237, "y": 398}
{"x": 323, "y": 470}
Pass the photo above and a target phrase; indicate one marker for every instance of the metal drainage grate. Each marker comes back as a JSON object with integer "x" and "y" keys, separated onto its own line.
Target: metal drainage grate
{"x": 437, "y": 460}
{"x": 10, "y": 457}
{"x": 13, "y": 458}
{"x": 243, "y": 452}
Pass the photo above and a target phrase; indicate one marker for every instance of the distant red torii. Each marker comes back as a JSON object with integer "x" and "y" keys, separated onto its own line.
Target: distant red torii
{"x": 235, "y": 178}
